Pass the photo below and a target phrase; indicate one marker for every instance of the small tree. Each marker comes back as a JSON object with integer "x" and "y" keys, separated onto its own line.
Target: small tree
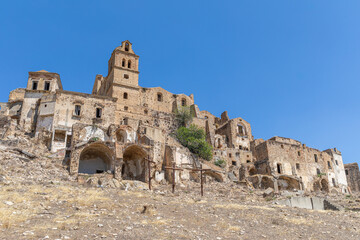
{"x": 194, "y": 139}
{"x": 183, "y": 116}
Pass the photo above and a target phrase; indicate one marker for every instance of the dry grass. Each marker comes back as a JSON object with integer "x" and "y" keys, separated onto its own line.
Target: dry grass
{"x": 299, "y": 221}
{"x": 23, "y": 207}
{"x": 241, "y": 207}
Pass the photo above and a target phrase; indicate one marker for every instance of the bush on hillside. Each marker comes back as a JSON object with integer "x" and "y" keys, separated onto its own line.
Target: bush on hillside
{"x": 194, "y": 139}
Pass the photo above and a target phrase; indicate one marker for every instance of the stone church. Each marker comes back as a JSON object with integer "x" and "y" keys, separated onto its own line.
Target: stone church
{"x": 120, "y": 126}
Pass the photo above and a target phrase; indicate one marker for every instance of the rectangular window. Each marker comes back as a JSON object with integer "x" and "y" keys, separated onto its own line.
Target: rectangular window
{"x": 299, "y": 154}
{"x": 336, "y": 162}
{"x": 298, "y": 166}
{"x": 47, "y": 86}
{"x": 98, "y": 112}
{"x": 34, "y": 85}
{"x": 333, "y": 181}
{"x": 77, "y": 110}
{"x": 329, "y": 165}
{"x": 229, "y": 154}
{"x": 316, "y": 159}
{"x": 278, "y": 168}
{"x": 233, "y": 163}
{"x": 318, "y": 171}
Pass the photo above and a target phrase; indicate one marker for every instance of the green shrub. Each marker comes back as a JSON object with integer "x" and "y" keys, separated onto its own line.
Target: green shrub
{"x": 183, "y": 116}
{"x": 220, "y": 162}
{"x": 194, "y": 139}
{"x": 321, "y": 174}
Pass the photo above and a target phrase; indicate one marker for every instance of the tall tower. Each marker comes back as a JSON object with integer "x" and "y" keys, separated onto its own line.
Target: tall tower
{"x": 123, "y": 69}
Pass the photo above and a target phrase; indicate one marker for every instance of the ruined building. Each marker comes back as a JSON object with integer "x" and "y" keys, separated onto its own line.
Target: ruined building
{"x": 120, "y": 125}
{"x": 353, "y": 176}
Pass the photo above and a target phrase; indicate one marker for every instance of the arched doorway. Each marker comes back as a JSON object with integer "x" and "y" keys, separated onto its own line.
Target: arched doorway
{"x": 321, "y": 185}
{"x": 134, "y": 164}
{"x": 96, "y": 158}
{"x": 324, "y": 185}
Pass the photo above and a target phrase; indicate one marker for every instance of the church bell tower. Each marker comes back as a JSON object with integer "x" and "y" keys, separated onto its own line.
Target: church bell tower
{"x": 123, "y": 69}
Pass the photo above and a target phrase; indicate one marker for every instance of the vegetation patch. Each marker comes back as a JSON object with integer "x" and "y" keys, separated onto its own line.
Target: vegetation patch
{"x": 194, "y": 139}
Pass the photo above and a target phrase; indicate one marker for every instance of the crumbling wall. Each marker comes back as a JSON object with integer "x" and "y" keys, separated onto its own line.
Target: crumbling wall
{"x": 290, "y": 157}
{"x": 353, "y": 176}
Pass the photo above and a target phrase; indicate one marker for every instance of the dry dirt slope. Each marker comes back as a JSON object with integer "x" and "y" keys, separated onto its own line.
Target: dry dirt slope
{"x": 38, "y": 200}
{"x": 68, "y": 211}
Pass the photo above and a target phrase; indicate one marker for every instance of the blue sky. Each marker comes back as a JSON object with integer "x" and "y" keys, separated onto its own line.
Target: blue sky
{"x": 290, "y": 68}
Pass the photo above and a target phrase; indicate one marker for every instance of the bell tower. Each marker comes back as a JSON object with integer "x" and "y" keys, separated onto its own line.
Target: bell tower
{"x": 123, "y": 66}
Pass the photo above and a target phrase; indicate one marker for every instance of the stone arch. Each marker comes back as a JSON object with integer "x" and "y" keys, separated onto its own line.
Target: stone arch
{"x": 121, "y": 136}
{"x": 324, "y": 185}
{"x": 288, "y": 183}
{"x": 134, "y": 165}
{"x": 216, "y": 176}
{"x": 95, "y": 158}
{"x": 321, "y": 185}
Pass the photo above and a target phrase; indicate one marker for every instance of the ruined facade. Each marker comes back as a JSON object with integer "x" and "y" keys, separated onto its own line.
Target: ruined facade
{"x": 117, "y": 128}
{"x": 353, "y": 176}
{"x": 287, "y": 158}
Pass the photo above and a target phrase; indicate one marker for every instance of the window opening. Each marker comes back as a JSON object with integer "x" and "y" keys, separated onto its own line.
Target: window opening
{"x": 98, "y": 112}
{"x": 47, "y": 86}
{"x": 183, "y": 102}
{"x": 159, "y": 97}
{"x": 34, "y": 85}
{"x": 278, "y": 168}
{"x": 125, "y": 95}
{"x": 77, "y": 110}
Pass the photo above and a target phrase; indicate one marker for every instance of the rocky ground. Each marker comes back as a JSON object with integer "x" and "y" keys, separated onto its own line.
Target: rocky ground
{"x": 38, "y": 200}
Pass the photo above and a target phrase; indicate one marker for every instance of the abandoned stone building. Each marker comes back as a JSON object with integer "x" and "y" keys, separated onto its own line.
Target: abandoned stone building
{"x": 120, "y": 125}
{"x": 298, "y": 166}
{"x": 353, "y": 176}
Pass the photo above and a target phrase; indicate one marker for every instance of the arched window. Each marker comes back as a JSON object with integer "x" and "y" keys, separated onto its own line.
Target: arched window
{"x": 126, "y": 47}
{"x": 159, "y": 97}
{"x": 183, "y": 102}
{"x": 123, "y": 63}
{"x": 129, "y": 64}
{"x": 125, "y": 95}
